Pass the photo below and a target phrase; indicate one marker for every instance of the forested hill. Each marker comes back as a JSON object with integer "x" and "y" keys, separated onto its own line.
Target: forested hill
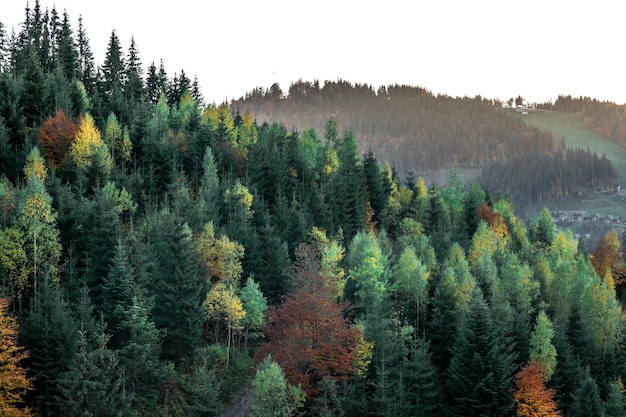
{"x": 160, "y": 256}
{"x": 418, "y": 132}
{"x": 408, "y": 126}
{"x": 606, "y": 118}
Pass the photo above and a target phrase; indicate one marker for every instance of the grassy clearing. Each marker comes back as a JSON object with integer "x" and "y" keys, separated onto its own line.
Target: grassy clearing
{"x": 576, "y": 135}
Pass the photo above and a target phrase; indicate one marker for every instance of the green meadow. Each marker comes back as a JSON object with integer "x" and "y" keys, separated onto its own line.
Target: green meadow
{"x": 576, "y": 135}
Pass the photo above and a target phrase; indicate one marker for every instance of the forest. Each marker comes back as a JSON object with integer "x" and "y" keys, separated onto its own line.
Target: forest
{"x": 418, "y": 132}
{"x": 160, "y": 256}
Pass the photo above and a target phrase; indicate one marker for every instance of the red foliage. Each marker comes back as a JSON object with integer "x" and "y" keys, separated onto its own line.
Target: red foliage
{"x": 56, "y": 136}
{"x": 532, "y": 397}
{"x": 308, "y": 335}
{"x": 494, "y": 220}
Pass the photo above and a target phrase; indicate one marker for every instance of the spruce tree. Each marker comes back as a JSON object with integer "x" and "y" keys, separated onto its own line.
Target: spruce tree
{"x": 479, "y": 380}
{"x": 587, "y": 400}
{"x": 178, "y": 286}
{"x": 94, "y": 383}
{"x": 49, "y": 331}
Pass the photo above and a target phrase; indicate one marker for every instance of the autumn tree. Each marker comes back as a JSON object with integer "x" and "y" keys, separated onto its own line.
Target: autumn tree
{"x": 14, "y": 383}
{"x": 87, "y": 142}
{"x": 36, "y": 219}
{"x": 531, "y": 396}
{"x": 308, "y": 334}
{"x": 607, "y": 255}
{"x": 56, "y": 136}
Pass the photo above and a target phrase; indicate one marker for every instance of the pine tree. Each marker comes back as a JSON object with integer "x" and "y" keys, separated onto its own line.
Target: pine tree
{"x": 67, "y": 54}
{"x": 423, "y": 396}
{"x": 117, "y": 295}
{"x": 86, "y": 64}
{"x": 204, "y": 387}
{"x": 479, "y": 379}
{"x": 134, "y": 74}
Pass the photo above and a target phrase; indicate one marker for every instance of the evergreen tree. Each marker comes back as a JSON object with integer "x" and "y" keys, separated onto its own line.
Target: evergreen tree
{"x": 587, "y": 400}
{"x": 67, "y": 54}
{"x": 178, "y": 287}
{"x": 479, "y": 379}
{"x": 49, "y": 332}
{"x": 423, "y": 396}
{"x": 204, "y": 386}
{"x": 134, "y": 74}
{"x": 94, "y": 383}
{"x": 614, "y": 405}
{"x": 117, "y": 294}
{"x": 86, "y": 64}
{"x": 139, "y": 357}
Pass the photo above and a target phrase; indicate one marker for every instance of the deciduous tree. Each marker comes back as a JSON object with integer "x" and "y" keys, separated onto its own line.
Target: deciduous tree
{"x": 56, "y": 136}
{"x": 308, "y": 334}
{"x": 531, "y": 396}
{"x": 14, "y": 383}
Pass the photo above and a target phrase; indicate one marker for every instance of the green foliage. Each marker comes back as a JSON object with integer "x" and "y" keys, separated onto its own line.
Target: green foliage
{"x": 178, "y": 286}
{"x": 542, "y": 351}
{"x": 587, "y": 400}
{"x": 479, "y": 379}
{"x": 368, "y": 270}
{"x": 271, "y": 394}
{"x": 94, "y": 382}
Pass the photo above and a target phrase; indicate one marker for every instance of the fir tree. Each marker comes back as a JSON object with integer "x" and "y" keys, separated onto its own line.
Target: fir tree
{"x": 479, "y": 379}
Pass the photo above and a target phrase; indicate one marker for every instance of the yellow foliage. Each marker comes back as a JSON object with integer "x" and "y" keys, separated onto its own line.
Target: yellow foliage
{"x": 13, "y": 380}
{"x": 362, "y": 354}
{"x": 35, "y": 165}
{"x": 87, "y": 143}
{"x": 222, "y": 257}
{"x": 222, "y": 303}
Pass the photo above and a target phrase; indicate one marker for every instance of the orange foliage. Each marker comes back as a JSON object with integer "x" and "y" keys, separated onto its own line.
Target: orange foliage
{"x": 494, "y": 220}
{"x": 532, "y": 397}
{"x": 607, "y": 255}
{"x": 13, "y": 380}
{"x": 308, "y": 335}
{"x": 56, "y": 136}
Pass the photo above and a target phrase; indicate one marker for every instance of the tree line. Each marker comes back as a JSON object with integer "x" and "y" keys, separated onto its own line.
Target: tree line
{"x": 159, "y": 255}
{"x": 603, "y": 117}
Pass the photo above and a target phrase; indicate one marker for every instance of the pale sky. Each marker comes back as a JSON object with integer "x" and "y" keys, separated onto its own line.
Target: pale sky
{"x": 496, "y": 48}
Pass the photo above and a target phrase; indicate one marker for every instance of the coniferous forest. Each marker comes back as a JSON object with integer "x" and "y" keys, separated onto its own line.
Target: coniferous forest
{"x": 160, "y": 256}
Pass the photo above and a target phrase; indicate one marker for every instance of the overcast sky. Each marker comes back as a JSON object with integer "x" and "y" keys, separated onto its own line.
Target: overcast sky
{"x": 498, "y": 49}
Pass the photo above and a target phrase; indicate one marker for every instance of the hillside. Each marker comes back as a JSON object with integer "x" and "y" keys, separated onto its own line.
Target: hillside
{"x": 163, "y": 257}
{"x": 578, "y": 136}
{"x": 421, "y": 134}
{"x": 407, "y": 126}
